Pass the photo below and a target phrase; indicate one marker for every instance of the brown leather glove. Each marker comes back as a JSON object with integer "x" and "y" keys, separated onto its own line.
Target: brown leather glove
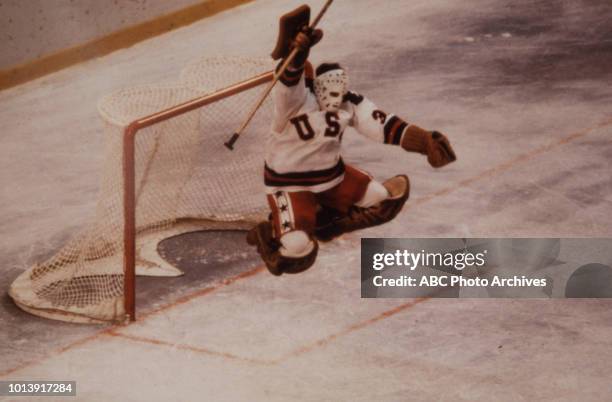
{"x": 431, "y": 143}
{"x": 304, "y": 41}
{"x": 308, "y": 38}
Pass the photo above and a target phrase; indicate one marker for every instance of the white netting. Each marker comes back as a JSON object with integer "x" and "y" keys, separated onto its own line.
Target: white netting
{"x": 183, "y": 174}
{"x": 201, "y": 74}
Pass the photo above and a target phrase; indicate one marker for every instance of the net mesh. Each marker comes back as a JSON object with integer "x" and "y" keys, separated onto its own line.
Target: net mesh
{"x": 183, "y": 173}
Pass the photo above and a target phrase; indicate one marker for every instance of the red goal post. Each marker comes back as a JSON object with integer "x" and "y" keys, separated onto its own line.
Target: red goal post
{"x": 129, "y": 173}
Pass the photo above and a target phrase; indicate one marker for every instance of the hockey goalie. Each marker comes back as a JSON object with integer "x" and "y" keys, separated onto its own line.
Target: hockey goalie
{"x": 313, "y": 195}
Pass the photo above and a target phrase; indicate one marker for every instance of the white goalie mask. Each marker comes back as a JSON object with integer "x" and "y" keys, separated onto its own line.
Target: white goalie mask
{"x": 330, "y": 88}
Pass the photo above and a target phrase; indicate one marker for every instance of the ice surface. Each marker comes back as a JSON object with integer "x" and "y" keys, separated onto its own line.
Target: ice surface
{"x": 525, "y": 103}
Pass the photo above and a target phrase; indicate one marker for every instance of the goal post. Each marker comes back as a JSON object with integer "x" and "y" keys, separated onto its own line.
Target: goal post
{"x": 129, "y": 173}
{"x": 165, "y": 172}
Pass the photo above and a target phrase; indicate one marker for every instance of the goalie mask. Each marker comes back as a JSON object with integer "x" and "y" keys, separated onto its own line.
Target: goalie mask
{"x": 330, "y": 86}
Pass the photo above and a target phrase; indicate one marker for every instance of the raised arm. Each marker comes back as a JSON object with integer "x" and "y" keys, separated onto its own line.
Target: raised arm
{"x": 290, "y": 94}
{"x": 391, "y": 129}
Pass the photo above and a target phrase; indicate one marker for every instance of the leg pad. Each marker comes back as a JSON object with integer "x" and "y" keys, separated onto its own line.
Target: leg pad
{"x": 268, "y": 248}
{"x": 331, "y": 224}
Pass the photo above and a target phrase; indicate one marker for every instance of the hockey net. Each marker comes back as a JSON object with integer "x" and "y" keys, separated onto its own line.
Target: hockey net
{"x": 178, "y": 177}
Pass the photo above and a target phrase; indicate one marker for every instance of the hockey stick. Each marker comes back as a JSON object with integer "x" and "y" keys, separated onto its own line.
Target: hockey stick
{"x": 230, "y": 143}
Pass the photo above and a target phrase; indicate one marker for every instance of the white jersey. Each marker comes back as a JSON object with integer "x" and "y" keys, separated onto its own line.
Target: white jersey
{"x": 303, "y": 148}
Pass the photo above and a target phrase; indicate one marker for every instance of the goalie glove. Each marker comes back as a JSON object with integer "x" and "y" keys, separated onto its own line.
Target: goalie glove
{"x": 307, "y": 38}
{"x": 304, "y": 41}
{"x": 294, "y": 32}
{"x": 431, "y": 143}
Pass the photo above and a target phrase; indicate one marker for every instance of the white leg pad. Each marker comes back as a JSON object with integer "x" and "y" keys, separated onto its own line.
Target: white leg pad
{"x": 296, "y": 244}
{"x": 374, "y": 194}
